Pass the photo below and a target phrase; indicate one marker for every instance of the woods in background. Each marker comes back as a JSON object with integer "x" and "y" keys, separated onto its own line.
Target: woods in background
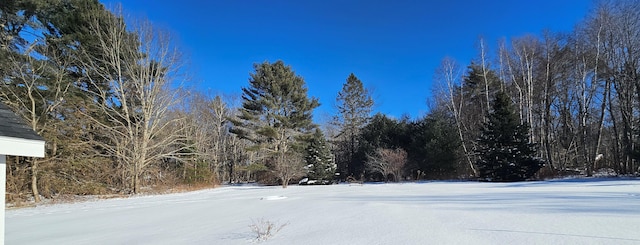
{"x": 578, "y": 91}
{"x": 112, "y": 101}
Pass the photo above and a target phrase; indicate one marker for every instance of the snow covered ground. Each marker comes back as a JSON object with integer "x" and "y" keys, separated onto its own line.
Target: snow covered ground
{"x": 550, "y": 212}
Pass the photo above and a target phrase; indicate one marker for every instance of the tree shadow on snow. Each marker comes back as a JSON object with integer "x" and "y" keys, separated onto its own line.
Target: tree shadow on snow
{"x": 560, "y": 234}
{"x": 562, "y": 202}
{"x": 617, "y": 181}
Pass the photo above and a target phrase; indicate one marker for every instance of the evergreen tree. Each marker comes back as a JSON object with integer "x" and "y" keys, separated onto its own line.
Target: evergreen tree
{"x": 320, "y": 164}
{"x": 41, "y": 46}
{"x": 381, "y": 132}
{"x": 433, "y": 146}
{"x": 354, "y": 107}
{"x": 505, "y": 153}
{"x": 276, "y": 116}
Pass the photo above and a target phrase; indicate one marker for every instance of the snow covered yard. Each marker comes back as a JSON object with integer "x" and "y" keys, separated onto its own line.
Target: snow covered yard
{"x": 550, "y": 212}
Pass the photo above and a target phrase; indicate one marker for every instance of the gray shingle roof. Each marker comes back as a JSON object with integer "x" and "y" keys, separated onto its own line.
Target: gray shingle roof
{"x": 13, "y": 126}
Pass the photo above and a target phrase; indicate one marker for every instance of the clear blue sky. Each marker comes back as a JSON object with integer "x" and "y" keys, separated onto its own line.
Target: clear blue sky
{"x": 393, "y": 46}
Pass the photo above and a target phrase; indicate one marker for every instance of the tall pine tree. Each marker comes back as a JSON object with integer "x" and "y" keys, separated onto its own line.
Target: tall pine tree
{"x": 276, "y": 115}
{"x": 354, "y": 107}
{"x": 505, "y": 153}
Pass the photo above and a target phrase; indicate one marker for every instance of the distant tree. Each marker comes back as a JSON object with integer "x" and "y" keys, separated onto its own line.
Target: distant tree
{"x": 387, "y": 162}
{"x": 478, "y": 86}
{"x": 207, "y": 127}
{"x": 380, "y": 132}
{"x": 611, "y": 66}
{"x": 276, "y": 116}
{"x": 320, "y": 164}
{"x": 450, "y": 94}
{"x": 434, "y": 148}
{"x": 354, "y": 108}
{"x": 505, "y": 152}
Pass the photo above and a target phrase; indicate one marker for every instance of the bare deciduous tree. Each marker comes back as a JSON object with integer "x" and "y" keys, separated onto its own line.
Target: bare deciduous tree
{"x": 208, "y": 130}
{"x": 388, "y": 162}
{"x": 448, "y": 78}
{"x": 36, "y": 89}
{"x": 289, "y": 167}
{"x": 485, "y": 68}
{"x": 139, "y": 68}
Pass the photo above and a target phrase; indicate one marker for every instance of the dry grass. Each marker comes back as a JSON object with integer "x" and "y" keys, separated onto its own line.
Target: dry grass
{"x": 265, "y": 229}
{"x": 179, "y": 188}
{"x": 24, "y": 201}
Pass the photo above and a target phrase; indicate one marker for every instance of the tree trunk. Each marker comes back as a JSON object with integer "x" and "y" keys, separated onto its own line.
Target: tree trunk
{"x": 484, "y": 75}
{"x": 34, "y": 180}
{"x": 136, "y": 183}
{"x": 546, "y": 119}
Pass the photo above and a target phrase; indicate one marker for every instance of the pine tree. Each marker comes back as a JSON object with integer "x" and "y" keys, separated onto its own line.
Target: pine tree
{"x": 276, "y": 116}
{"x": 434, "y": 145}
{"x": 320, "y": 164}
{"x": 381, "y": 132}
{"x": 354, "y": 107}
{"x": 41, "y": 46}
{"x": 505, "y": 151}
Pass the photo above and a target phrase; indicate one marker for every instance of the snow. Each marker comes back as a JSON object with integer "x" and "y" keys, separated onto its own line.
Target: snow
{"x": 594, "y": 211}
{"x": 271, "y": 198}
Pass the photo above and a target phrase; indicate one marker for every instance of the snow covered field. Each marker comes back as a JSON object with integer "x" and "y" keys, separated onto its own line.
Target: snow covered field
{"x": 550, "y": 212}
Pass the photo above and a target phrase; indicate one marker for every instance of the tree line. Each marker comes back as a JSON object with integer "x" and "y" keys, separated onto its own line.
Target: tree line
{"x": 576, "y": 94}
{"x": 110, "y": 98}
{"x": 578, "y": 91}
{"x": 105, "y": 94}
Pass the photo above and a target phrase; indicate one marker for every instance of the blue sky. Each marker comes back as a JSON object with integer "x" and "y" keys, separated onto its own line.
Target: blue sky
{"x": 392, "y": 46}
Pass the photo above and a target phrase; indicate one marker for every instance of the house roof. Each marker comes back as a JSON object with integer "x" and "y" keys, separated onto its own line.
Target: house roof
{"x": 13, "y": 126}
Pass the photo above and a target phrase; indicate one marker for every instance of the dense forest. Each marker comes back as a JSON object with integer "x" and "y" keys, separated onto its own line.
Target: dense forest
{"x": 109, "y": 97}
